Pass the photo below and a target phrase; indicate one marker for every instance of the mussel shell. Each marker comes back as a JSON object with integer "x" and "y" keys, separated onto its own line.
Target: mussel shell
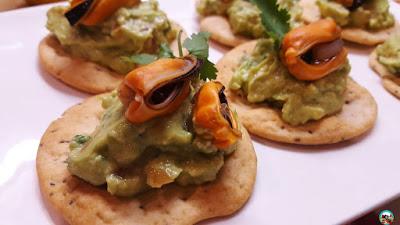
{"x": 161, "y": 96}
{"x": 164, "y": 95}
{"x": 323, "y": 52}
{"x": 78, "y": 12}
{"x": 224, "y": 107}
{"x": 356, "y": 4}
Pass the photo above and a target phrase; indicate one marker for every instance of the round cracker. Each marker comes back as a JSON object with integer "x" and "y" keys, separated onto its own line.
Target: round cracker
{"x": 79, "y": 73}
{"x": 311, "y": 14}
{"x": 220, "y": 30}
{"x": 357, "y": 116}
{"x": 365, "y": 37}
{"x": 81, "y": 203}
{"x": 390, "y": 81}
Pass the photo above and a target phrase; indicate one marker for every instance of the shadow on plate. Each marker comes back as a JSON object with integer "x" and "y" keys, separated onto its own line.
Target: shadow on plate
{"x": 58, "y": 85}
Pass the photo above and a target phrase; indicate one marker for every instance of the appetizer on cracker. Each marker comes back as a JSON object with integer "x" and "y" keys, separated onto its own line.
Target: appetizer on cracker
{"x": 94, "y": 43}
{"x": 165, "y": 148}
{"x": 385, "y": 60}
{"x": 294, "y": 87}
{"x": 233, "y": 22}
{"x": 366, "y": 22}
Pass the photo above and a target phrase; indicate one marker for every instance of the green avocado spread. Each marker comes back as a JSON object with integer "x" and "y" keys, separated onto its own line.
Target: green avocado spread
{"x": 244, "y": 16}
{"x": 389, "y": 54}
{"x": 130, "y": 159}
{"x": 263, "y": 78}
{"x": 139, "y": 29}
{"x": 372, "y": 15}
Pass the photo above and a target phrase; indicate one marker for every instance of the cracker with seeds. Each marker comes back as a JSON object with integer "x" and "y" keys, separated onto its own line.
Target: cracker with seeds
{"x": 79, "y": 73}
{"x": 357, "y": 116}
{"x": 390, "y": 81}
{"x": 81, "y": 203}
{"x": 311, "y": 13}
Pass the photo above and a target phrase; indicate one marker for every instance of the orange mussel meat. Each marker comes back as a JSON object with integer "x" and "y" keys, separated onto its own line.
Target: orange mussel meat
{"x": 212, "y": 113}
{"x": 157, "y": 89}
{"x": 299, "y": 41}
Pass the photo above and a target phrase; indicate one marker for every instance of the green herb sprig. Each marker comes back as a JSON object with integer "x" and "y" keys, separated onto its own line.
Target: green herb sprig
{"x": 275, "y": 19}
{"x": 197, "y": 45}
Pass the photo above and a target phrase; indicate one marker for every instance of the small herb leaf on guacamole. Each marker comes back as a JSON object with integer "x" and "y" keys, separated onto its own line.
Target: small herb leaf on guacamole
{"x": 78, "y": 141}
{"x": 165, "y": 51}
{"x": 81, "y": 139}
{"x": 275, "y": 19}
{"x": 142, "y": 59}
{"x": 197, "y": 45}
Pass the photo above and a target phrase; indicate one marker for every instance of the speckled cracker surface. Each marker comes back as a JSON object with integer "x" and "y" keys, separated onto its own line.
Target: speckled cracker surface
{"x": 76, "y": 72}
{"x": 79, "y": 73}
{"x": 390, "y": 81}
{"x": 81, "y": 203}
{"x": 311, "y": 13}
{"x": 357, "y": 116}
{"x": 220, "y": 30}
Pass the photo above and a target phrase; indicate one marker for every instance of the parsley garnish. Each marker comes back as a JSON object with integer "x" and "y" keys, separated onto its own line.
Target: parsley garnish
{"x": 143, "y": 59}
{"x": 276, "y": 20}
{"x": 197, "y": 45}
{"x": 165, "y": 51}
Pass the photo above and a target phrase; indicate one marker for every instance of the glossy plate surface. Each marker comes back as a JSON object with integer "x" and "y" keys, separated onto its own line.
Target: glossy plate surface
{"x": 295, "y": 185}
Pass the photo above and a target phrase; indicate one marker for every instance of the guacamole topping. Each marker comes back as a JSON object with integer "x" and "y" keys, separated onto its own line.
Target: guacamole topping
{"x": 244, "y": 16}
{"x": 139, "y": 29}
{"x": 130, "y": 158}
{"x": 389, "y": 54}
{"x": 371, "y": 15}
{"x": 263, "y": 78}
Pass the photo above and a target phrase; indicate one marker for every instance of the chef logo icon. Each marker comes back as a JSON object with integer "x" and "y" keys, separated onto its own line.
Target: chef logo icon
{"x": 386, "y": 217}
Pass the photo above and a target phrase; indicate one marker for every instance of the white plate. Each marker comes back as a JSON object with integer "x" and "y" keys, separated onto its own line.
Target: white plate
{"x": 295, "y": 185}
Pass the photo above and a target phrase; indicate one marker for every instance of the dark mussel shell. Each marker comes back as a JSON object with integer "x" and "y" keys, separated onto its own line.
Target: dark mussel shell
{"x": 78, "y": 12}
{"x": 225, "y": 111}
{"x": 356, "y": 4}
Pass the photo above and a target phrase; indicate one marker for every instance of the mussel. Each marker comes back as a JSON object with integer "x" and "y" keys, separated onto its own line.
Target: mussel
{"x": 213, "y": 115}
{"x": 78, "y": 10}
{"x": 158, "y": 88}
{"x": 351, "y": 4}
{"x": 92, "y": 12}
{"x": 313, "y": 51}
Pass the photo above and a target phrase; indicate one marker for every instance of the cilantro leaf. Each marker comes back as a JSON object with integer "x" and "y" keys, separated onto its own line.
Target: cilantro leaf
{"x": 274, "y": 19}
{"x": 142, "y": 59}
{"x": 165, "y": 51}
{"x": 197, "y": 45}
{"x": 208, "y": 70}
